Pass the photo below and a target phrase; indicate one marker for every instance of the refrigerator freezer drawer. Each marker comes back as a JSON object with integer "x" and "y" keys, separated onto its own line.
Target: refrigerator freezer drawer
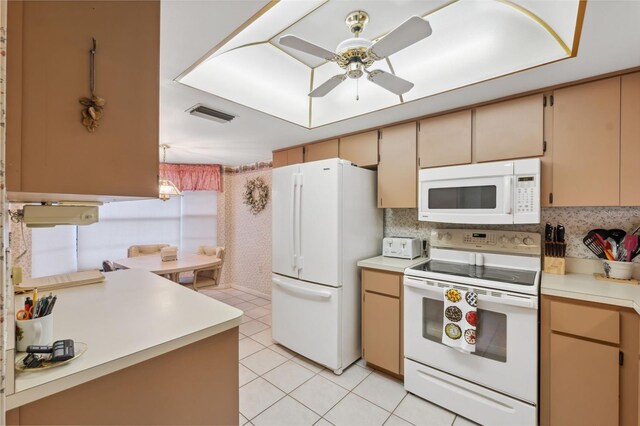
{"x": 306, "y": 319}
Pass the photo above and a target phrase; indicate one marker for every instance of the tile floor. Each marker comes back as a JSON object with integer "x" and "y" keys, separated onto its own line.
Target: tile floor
{"x": 278, "y": 387}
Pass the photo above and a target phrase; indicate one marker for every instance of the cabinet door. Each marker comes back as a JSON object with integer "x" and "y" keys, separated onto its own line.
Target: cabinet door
{"x": 360, "y": 149}
{"x": 510, "y": 129}
{"x": 295, "y": 155}
{"x": 586, "y": 144}
{"x": 57, "y": 155}
{"x": 584, "y": 382}
{"x": 280, "y": 159}
{"x": 445, "y": 140}
{"x": 397, "y": 170}
{"x": 321, "y": 150}
{"x": 381, "y": 331}
{"x": 630, "y": 140}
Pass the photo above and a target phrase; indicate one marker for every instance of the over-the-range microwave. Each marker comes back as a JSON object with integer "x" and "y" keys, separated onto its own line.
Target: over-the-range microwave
{"x": 488, "y": 193}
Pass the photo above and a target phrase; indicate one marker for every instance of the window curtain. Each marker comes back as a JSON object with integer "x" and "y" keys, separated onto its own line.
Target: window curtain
{"x": 193, "y": 177}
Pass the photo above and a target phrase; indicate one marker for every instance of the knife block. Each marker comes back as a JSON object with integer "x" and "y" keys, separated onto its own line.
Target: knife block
{"x": 554, "y": 265}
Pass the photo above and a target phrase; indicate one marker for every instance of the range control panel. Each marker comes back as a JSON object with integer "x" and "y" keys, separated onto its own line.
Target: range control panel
{"x": 487, "y": 240}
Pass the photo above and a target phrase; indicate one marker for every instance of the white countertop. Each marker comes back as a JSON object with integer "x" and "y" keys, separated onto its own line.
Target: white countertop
{"x": 392, "y": 264}
{"x": 586, "y": 287}
{"x": 131, "y": 317}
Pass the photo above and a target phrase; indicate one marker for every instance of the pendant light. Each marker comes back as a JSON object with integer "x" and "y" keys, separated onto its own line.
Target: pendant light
{"x": 167, "y": 188}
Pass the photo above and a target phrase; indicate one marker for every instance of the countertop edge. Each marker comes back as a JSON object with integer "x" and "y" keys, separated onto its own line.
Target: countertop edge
{"x": 33, "y": 394}
{"x": 372, "y": 264}
{"x": 574, "y": 295}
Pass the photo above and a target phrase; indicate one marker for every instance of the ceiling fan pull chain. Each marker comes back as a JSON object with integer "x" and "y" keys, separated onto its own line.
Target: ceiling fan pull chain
{"x": 357, "y": 90}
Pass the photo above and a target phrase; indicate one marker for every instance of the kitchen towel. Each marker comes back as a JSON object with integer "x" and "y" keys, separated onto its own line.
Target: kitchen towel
{"x": 460, "y": 319}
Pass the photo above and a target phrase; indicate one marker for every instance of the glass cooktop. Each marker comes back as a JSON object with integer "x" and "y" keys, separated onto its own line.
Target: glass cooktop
{"x": 489, "y": 273}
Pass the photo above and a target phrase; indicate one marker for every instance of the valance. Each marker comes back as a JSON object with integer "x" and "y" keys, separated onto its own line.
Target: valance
{"x": 193, "y": 177}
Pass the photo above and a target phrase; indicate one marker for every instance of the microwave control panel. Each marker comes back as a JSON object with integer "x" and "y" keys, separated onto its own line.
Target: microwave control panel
{"x": 526, "y": 187}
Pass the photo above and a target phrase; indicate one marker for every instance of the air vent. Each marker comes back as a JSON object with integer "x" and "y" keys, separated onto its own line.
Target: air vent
{"x": 210, "y": 114}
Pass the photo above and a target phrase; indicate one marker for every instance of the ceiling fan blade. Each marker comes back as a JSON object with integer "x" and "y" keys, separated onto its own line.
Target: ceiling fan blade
{"x": 306, "y": 47}
{"x": 327, "y": 86}
{"x": 410, "y": 31}
{"x": 390, "y": 82}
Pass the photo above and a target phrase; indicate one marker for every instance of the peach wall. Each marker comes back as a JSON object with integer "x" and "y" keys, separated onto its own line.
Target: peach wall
{"x": 246, "y": 237}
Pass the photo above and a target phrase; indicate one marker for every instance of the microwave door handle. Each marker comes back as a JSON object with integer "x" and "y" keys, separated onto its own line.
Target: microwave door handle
{"x": 508, "y": 194}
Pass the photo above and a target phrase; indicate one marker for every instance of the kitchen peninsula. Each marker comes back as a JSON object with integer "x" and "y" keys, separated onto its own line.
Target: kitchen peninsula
{"x": 158, "y": 353}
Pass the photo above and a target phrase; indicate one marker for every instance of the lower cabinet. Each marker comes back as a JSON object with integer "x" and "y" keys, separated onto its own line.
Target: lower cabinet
{"x": 588, "y": 369}
{"x": 382, "y": 341}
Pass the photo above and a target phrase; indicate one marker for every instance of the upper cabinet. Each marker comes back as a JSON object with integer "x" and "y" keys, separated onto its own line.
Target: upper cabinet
{"x": 397, "y": 170}
{"x": 321, "y": 150}
{"x": 630, "y": 140}
{"x": 586, "y": 144}
{"x": 49, "y": 151}
{"x": 445, "y": 140}
{"x": 360, "y": 149}
{"x": 510, "y": 129}
{"x": 288, "y": 157}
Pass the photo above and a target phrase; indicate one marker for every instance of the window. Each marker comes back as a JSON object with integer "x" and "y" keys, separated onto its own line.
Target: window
{"x": 186, "y": 222}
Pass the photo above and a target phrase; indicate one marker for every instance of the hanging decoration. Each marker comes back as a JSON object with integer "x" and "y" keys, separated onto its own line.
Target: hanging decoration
{"x": 93, "y": 106}
{"x": 256, "y": 195}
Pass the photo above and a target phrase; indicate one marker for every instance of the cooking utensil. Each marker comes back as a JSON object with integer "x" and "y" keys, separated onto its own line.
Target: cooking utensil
{"x": 631, "y": 245}
{"x": 618, "y": 235}
{"x": 606, "y": 246}
{"x": 560, "y": 233}
{"x": 548, "y": 232}
{"x": 593, "y": 243}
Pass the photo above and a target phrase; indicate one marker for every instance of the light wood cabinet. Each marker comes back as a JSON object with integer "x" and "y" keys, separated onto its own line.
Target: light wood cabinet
{"x": 630, "y": 140}
{"x": 49, "y": 151}
{"x": 586, "y": 144}
{"x": 509, "y": 129}
{"x": 382, "y": 341}
{"x": 361, "y": 149}
{"x": 321, "y": 150}
{"x": 445, "y": 140}
{"x": 588, "y": 368}
{"x": 397, "y": 169}
{"x": 288, "y": 157}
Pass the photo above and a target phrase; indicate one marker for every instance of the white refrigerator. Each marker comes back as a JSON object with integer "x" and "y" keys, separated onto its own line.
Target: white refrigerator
{"x": 325, "y": 219}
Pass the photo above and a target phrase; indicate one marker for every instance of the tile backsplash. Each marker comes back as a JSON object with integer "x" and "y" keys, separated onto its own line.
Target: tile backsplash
{"x": 577, "y": 221}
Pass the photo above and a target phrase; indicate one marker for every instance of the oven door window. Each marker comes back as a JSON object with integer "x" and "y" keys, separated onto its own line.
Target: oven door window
{"x": 491, "y": 331}
{"x": 463, "y": 197}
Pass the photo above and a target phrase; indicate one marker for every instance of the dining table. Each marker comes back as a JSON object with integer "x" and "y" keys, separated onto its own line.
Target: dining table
{"x": 186, "y": 262}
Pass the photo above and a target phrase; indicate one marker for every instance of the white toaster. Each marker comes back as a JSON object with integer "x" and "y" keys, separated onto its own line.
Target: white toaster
{"x": 402, "y": 247}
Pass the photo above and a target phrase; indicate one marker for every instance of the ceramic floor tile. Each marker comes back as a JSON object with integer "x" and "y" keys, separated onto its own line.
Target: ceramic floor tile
{"x": 241, "y": 336}
{"x": 263, "y": 337}
{"x": 461, "y": 421}
{"x": 362, "y": 363}
{"x": 288, "y": 376}
{"x": 394, "y": 420}
{"x": 233, "y": 291}
{"x": 382, "y": 390}
{"x": 308, "y": 364}
{"x": 263, "y": 361}
{"x": 246, "y": 375}
{"x": 246, "y": 296}
{"x": 319, "y": 394}
{"x": 268, "y": 306}
{"x": 265, "y": 319}
{"x": 421, "y": 412}
{"x": 283, "y": 351}
{"x": 245, "y": 306}
{"x": 242, "y": 420}
{"x": 245, "y": 319}
{"x": 354, "y": 411}
{"x": 232, "y": 301}
{"x": 252, "y": 327}
{"x": 350, "y": 378}
{"x": 286, "y": 412}
{"x": 323, "y": 422}
{"x": 257, "y": 312}
{"x": 218, "y": 295}
{"x": 261, "y": 302}
{"x": 257, "y": 396}
{"x": 248, "y": 347}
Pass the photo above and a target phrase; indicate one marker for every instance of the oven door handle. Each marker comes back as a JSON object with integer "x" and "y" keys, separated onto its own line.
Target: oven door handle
{"x": 503, "y": 299}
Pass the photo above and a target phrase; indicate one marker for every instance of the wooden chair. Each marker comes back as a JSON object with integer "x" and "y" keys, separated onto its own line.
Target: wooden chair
{"x": 143, "y": 250}
{"x": 211, "y": 274}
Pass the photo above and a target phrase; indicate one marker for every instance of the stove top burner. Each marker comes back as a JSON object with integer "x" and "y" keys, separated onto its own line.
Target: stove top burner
{"x": 489, "y": 273}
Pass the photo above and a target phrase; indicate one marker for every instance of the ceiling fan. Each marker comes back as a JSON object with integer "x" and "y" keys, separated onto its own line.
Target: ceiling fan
{"x": 355, "y": 55}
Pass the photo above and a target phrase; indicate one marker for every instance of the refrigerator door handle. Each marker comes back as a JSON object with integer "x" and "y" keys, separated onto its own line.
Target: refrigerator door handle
{"x": 292, "y": 217}
{"x": 300, "y": 290}
{"x": 298, "y": 236}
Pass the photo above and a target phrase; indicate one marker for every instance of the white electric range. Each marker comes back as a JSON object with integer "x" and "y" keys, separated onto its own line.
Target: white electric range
{"x": 498, "y": 383}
